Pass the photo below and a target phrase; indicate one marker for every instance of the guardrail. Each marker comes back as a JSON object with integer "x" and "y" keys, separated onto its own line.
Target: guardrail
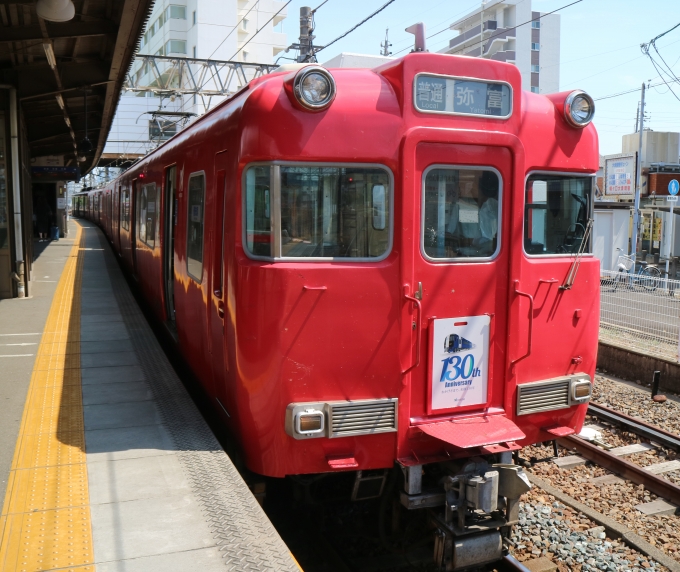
{"x": 640, "y": 312}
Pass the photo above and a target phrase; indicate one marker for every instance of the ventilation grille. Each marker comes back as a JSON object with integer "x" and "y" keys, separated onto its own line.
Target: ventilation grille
{"x": 363, "y": 417}
{"x": 542, "y": 396}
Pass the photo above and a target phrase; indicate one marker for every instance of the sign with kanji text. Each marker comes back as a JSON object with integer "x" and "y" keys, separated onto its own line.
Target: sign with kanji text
{"x": 619, "y": 174}
{"x": 442, "y": 94}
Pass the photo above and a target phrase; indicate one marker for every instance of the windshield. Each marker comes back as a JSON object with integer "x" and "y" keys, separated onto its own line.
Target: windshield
{"x": 556, "y": 213}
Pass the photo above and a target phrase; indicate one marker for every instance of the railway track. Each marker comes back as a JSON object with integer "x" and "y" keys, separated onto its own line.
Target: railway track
{"x": 616, "y": 464}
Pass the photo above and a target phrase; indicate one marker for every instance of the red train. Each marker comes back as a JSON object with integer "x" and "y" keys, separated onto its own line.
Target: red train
{"x": 370, "y": 267}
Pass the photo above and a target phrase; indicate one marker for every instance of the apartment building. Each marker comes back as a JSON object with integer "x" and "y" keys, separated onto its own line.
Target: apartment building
{"x": 235, "y": 30}
{"x": 510, "y": 31}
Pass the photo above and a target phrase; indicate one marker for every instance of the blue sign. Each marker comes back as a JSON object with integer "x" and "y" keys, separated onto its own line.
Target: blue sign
{"x": 673, "y": 187}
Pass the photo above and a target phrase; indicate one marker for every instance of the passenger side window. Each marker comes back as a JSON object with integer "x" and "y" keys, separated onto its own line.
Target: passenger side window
{"x": 196, "y": 215}
{"x": 147, "y": 216}
{"x": 125, "y": 209}
{"x": 461, "y": 213}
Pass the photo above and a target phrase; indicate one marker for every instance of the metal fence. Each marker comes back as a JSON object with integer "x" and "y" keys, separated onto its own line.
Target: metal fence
{"x": 640, "y": 312}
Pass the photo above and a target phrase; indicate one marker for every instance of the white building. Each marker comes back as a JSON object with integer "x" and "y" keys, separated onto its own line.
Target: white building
{"x": 509, "y": 31}
{"x": 226, "y": 30}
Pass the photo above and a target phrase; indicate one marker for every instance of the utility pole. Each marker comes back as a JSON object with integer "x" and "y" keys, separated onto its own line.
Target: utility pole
{"x": 386, "y": 46}
{"x": 306, "y": 35}
{"x": 637, "y": 118}
{"x": 636, "y": 206}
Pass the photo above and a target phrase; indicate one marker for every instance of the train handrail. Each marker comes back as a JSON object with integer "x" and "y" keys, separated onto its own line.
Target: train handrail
{"x": 531, "y": 322}
{"x": 419, "y": 321}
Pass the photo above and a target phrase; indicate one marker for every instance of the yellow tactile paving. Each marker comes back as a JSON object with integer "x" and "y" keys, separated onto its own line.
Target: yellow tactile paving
{"x": 45, "y": 449}
{"x": 45, "y": 521}
{"x": 55, "y": 395}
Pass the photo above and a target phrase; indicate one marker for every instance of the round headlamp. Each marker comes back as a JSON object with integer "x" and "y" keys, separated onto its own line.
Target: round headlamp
{"x": 579, "y": 109}
{"x": 314, "y": 87}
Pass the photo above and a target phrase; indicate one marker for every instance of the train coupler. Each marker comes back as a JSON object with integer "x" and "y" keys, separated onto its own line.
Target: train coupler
{"x": 480, "y": 505}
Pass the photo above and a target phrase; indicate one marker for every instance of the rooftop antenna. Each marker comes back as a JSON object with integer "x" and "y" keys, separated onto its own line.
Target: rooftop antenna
{"x": 386, "y": 45}
{"x": 418, "y": 30}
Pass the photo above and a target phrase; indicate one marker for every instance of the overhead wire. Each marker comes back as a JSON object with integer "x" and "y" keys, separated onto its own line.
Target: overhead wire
{"x": 385, "y": 5}
{"x": 234, "y": 28}
{"x": 497, "y": 34}
{"x": 261, "y": 28}
{"x": 660, "y": 70}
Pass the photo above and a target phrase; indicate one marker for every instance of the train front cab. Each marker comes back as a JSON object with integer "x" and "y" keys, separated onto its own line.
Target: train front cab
{"x": 488, "y": 216}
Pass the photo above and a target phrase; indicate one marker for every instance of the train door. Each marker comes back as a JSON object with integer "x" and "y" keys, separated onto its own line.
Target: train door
{"x": 460, "y": 280}
{"x": 134, "y": 209}
{"x": 218, "y": 287}
{"x": 170, "y": 205}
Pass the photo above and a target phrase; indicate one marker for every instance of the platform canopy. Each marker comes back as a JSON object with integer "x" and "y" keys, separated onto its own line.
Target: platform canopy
{"x": 56, "y": 66}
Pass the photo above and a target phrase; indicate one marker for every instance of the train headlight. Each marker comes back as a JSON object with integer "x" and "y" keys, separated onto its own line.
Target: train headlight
{"x": 314, "y": 88}
{"x": 579, "y": 109}
{"x": 581, "y": 390}
{"x": 309, "y": 422}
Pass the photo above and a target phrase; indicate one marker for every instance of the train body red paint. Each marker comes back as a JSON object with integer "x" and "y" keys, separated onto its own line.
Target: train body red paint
{"x": 314, "y": 310}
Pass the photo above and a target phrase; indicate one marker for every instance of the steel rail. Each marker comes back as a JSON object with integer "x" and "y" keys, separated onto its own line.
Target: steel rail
{"x": 635, "y": 425}
{"x": 511, "y": 563}
{"x": 635, "y": 473}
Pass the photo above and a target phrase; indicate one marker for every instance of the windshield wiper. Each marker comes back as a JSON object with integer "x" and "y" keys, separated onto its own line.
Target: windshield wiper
{"x": 573, "y": 270}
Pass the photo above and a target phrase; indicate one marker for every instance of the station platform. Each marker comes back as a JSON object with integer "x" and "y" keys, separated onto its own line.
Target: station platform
{"x": 105, "y": 462}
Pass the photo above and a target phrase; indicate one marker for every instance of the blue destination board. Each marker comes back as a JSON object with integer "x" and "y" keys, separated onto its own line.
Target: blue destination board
{"x": 437, "y": 94}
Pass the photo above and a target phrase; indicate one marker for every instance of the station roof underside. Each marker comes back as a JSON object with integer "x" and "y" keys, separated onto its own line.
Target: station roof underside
{"x": 93, "y": 52}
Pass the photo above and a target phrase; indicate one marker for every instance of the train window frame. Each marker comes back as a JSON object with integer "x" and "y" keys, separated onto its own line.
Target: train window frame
{"x": 462, "y": 78}
{"x": 275, "y": 216}
{"x": 592, "y": 177}
{"x": 145, "y": 195}
{"x": 499, "y": 232}
{"x": 197, "y": 279}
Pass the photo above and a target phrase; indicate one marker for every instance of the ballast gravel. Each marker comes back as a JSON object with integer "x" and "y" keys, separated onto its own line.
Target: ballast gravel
{"x": 547, "y": 528}
{"x": 635, "y": 400}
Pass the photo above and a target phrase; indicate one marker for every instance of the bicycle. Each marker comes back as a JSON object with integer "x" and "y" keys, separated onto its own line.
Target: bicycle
{"x": 647, "y": 276}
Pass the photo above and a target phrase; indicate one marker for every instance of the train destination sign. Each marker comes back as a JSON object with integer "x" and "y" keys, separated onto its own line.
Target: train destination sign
{"x": 462, "y": 96}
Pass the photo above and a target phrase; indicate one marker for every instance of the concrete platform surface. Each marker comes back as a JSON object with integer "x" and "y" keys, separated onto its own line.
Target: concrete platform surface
{"x": 115, "y": 469}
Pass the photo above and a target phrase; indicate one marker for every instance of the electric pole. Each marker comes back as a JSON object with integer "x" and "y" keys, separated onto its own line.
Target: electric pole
{"x": 306, "y": 45}
{"x": 636, "y": 206}
{"x": 386, "y": 45}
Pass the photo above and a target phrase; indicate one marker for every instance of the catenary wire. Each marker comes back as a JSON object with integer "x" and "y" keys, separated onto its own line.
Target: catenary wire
{"x": 232, "y": 30}
{"x": 507, "y": 29}
{"x": 261, "y": 28}
{"x": 356, "y": 26}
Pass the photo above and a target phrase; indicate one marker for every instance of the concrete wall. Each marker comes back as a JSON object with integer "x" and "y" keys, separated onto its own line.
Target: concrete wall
{"x": 549, "y": 78}
{"x": 657, "y": 146}
{"x": 636, "y": 366}
{"x": 523, "y": 42}
{"x": 609, "y": 233}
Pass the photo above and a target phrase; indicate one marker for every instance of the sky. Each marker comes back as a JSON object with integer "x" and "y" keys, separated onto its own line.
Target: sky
{"x": 599, "y": 50}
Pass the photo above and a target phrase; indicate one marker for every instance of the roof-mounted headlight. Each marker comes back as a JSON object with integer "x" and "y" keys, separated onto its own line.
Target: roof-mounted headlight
{"x": 579, "y": 109}
{"x": 314, "y": 88}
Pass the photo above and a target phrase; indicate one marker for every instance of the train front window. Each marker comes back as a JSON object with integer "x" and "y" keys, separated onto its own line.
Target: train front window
{"x": 556, "y": 214}
{"x": 318, "y": 212}
{"x": 461, "y": 213}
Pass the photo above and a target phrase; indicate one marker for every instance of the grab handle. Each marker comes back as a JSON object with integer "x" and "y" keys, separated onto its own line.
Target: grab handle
{"x": 531, "y": 322}
{"x": 419, "y": 321}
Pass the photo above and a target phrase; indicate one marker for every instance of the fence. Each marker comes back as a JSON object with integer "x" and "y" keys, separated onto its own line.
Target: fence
{"x": 640, "y": 312}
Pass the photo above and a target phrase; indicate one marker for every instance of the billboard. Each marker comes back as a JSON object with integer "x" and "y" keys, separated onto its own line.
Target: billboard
{"x": 619, "y": 174}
